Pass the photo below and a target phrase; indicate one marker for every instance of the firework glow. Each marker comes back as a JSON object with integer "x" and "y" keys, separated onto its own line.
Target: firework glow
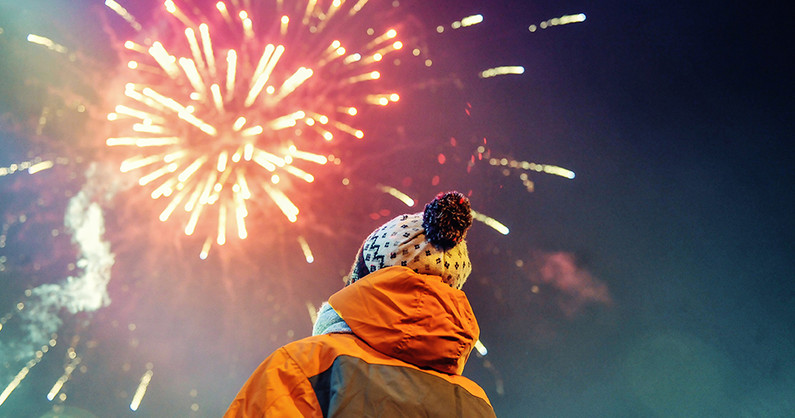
{"x": 184, "y": 182}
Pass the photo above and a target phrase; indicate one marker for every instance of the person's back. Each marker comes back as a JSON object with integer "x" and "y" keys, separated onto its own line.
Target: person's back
{"x": 392, "y": 342}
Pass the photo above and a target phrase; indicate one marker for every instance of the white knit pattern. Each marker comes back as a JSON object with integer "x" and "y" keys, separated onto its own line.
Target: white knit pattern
{"x": 401, "y": 242}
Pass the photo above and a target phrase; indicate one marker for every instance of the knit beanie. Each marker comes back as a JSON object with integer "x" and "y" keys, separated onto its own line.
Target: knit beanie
{"x": 430, "y": 242}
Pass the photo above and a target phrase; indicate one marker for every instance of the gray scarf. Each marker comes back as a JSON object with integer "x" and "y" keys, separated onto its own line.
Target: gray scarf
{"x": 329, "y": 321}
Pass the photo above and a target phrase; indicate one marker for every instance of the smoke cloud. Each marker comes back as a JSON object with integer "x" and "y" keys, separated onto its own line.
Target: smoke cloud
{"x": 40, "y": 316}
{"x": 575, "y": 286}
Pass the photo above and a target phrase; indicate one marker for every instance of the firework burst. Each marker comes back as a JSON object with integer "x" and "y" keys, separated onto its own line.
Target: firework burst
{"x": 241, "y": 101}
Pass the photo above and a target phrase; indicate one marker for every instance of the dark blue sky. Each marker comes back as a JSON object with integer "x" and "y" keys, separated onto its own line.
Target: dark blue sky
{"x": 678, "y": 122}
{"x": 677, "y": 119}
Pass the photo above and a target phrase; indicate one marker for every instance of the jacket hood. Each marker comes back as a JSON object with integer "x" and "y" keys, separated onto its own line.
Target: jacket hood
{"x": 412, "y": 317}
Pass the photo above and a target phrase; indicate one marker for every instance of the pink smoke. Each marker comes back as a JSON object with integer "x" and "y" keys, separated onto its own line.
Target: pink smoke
{"x": 576, "y": 286}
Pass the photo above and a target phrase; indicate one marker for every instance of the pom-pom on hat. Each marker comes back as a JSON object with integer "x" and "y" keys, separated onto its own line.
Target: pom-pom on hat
{"x": 431, "y": 242}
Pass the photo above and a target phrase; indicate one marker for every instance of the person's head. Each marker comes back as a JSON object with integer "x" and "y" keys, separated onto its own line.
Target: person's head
{"x": 431, "y": 242}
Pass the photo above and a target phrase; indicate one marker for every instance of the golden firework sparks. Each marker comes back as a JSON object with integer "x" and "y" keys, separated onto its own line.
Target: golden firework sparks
{"x": 232, "y": 105}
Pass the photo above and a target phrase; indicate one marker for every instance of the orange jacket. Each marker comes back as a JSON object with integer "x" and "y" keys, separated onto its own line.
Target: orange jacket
{"x": 412, "y": 335}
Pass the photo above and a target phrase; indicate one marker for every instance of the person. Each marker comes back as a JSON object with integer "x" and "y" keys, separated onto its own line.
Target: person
{"x": 393, "y": 341}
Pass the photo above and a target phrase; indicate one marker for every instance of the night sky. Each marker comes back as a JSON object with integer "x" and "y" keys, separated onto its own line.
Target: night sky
{"x": 657, "y": 282}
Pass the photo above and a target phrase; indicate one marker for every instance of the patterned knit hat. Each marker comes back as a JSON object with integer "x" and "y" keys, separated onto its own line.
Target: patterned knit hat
{"x": 431, "y": 242}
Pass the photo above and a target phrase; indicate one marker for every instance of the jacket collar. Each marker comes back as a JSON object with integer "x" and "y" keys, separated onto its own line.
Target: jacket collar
{"x": 413, "y": 317}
